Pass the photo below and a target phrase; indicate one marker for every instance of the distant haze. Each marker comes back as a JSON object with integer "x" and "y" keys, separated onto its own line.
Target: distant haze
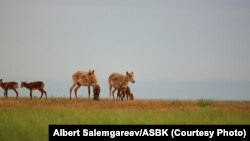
{"x": 177, "y": 49}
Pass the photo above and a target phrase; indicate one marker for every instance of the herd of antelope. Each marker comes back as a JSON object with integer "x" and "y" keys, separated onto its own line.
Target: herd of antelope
{"x": 117, "y": 82}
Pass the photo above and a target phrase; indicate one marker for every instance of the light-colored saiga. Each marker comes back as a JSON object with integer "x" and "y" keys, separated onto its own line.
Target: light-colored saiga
{"x": 38, "y": 85}
{"x": 83, "y": 78}
{"x": 119, "y": 82}
{"x": 9, "y": 85}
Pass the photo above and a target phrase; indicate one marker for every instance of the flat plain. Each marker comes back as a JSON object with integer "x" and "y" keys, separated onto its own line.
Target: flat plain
{"x": 26, "y": 119}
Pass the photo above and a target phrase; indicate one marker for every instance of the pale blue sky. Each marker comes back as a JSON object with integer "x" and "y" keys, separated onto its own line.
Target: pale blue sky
{"x": 177, "y": 48}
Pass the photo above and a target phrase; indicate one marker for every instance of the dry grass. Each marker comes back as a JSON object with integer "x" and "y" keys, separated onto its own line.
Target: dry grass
{"x": 107, "y": 104}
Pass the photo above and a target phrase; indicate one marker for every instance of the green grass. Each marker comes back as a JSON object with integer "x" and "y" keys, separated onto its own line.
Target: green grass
{"x": 28, "y": 120}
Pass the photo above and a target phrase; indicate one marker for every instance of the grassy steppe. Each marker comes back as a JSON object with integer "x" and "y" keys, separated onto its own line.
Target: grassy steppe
{"x": 28, "y": 120}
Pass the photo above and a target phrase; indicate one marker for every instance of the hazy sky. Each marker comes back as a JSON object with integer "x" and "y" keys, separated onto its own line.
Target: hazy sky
{"x": 176, "y": 48}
